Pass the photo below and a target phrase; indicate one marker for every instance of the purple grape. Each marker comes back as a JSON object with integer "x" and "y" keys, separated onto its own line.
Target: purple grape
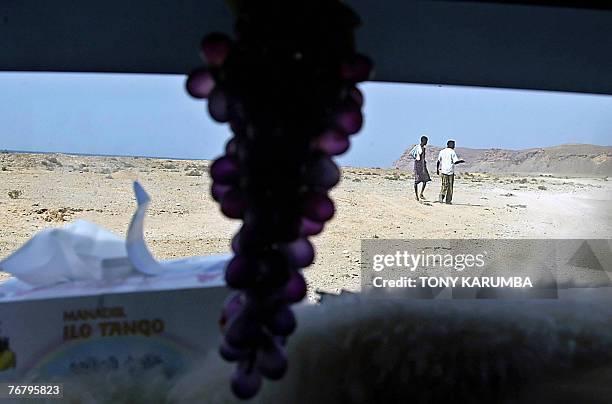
{"x": 272, "y": 361}
{"x": 332, "y": 142}
{"x": 323, "y": 172}
{"x": 245, "y": 238}
{"x": 282, "y": 321}
{"x": 319, "y": 208}
{"x": 239, "y": 273}
{"x": 246, "y": 382}
{"x": 359, "y": 68}
{"x": 272, "y": 270}
{"x": 218, "y": 105}
{"x": 280, "y": 340}
{"x": 234, "y": 204}
{"x": 225, "y": 170}
{"x": 215, "y": 48}
{"x": 235, "y": 244}
{"x": 232, "y": 306}
{"x": 311, "y": 228}
{"x": 200, "y": 83}
{"x": 299, "y": 252}
{"x": 231, "y": 354}
{"x": 239, "y": 114}
{"x": 243, "y": 331}
{"x": 231, "y": 147}
{"x": 238, "y": 126}
{"x": 356, "y": 96}
{"x": 296, "y": 289}
{"x": 219, "y": 190}
{"x": 349, "y": 119}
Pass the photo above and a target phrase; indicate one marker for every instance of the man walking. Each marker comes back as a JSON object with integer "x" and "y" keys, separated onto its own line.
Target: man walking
{"x": 445, "y": 167}
{"x": 421, "y": 174}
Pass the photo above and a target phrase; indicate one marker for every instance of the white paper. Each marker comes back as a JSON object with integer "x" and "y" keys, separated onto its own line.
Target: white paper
{"x": 73, "y": 252}
{"x": 85, "y": 252}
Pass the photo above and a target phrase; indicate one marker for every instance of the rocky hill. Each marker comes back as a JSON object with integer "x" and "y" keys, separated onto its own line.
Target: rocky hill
{"x": 567, "y": 160}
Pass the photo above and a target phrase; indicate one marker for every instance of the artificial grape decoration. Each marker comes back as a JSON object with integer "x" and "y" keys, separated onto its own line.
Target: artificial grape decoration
{"x": 287, "y": 88}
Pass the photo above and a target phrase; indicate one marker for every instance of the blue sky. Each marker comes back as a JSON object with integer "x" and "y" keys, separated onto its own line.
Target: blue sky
{"x": 151, "y": 115}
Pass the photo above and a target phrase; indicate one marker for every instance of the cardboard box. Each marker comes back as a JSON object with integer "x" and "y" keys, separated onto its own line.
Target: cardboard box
{"x": 82, "y": 327}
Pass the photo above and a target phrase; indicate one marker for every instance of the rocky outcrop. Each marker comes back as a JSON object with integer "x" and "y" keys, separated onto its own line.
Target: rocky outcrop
{"x": 568, "y": 160}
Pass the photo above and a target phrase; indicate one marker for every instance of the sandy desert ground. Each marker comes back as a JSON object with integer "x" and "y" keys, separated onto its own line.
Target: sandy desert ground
{"x": 39, "y": 191}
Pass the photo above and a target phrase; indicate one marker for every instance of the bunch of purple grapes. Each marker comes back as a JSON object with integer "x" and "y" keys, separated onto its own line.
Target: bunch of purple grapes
{"x": 287, "y": 88}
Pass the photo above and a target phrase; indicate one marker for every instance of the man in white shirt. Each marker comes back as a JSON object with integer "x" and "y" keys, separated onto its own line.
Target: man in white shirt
{"x": 445, "y": 167}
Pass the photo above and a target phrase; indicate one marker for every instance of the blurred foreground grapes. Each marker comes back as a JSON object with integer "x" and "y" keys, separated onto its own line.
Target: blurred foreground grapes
{"x": 287, "y": 87}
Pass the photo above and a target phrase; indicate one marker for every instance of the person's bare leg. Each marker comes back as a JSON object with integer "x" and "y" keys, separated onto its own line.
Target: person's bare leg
{"x": 416, "y": 191}
{"x": 423, "y": 190}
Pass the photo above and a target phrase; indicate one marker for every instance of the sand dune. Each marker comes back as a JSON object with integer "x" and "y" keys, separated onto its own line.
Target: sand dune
{"x": 51, "y": 190}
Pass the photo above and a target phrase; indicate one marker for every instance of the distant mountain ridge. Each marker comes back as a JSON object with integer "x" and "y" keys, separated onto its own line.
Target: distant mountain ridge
{"x": 567, "y": 159}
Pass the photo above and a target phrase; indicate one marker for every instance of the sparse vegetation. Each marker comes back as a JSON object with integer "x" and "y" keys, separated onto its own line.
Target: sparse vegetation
{"x": 57, "y": 215}
{"x": 393, "y": 177}
{"x": 48, "y": 165}
{"x": 54, "y": 160}
{"x": 51, "y": 163}
{"x": 14, "y": 194}
{"x": 167, "y": 165}
{"x": 195, "y": 170}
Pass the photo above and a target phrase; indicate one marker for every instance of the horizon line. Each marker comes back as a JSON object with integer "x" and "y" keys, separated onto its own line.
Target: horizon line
{"x": 8, "y": 151}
